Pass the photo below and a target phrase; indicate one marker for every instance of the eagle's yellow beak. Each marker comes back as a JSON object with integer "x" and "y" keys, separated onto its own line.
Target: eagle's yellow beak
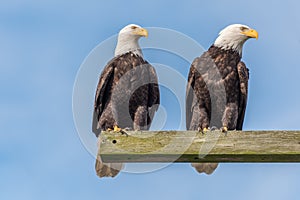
{"x": 251, "y": 33}
{"x": 141, "y": 32}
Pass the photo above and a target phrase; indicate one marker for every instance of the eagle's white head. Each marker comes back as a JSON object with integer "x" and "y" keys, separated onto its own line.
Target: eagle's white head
{"x": 234, "y": 36}
{"x": 128, "y": 39}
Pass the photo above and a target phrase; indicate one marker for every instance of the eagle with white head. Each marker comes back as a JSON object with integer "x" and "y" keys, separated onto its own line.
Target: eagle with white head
{"x": 218, "y": 81}
{"x": 127, "y": 94}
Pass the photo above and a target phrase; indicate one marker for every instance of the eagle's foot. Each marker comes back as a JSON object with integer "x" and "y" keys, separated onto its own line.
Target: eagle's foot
{"x": 119, "y": 130}
{"x": 203, "y": 131}
{"x": 224, "y": 129}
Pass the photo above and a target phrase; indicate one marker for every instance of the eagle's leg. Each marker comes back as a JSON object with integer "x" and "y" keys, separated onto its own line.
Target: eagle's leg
{"x": 204, "y": 120}
{"x": 200, "y": 120}
{"x": 229, "y": 119}
{"x": 140, "y": 118}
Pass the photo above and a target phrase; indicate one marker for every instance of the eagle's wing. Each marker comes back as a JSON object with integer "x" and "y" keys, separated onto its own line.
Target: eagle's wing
{"x": 153, "y": 96}
{"x": 146, "y": 98}
{"x": 190, "y": 97}
{"x": 101, "y": 97}
{"x": 197, "y": 95}
{"x": 243, "y": 72}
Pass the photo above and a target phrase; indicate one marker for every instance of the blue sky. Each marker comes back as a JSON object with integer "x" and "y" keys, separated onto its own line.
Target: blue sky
{"x": 42, "y": 47}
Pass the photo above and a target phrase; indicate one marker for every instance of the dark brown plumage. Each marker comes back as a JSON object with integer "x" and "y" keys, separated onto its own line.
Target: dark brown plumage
{"x": 218, "y": 86}
{"x": 217, "y": 80}
{"x": 226, "y": 76}
{"x": 127, "y": 96}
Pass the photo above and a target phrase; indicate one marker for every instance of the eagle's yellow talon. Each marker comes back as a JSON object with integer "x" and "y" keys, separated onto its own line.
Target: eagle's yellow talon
{"x": 224, "y": 129}
{"x": 109, "y": 129}
{"x": 117, "y": 129}
{"x": 204, "y": 130}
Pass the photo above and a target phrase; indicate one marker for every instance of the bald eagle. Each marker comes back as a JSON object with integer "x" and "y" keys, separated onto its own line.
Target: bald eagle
{"x": 217, "y": 76}
{"x": 127, "y": 94}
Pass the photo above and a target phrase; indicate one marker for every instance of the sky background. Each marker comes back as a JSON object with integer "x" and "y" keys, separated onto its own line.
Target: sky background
{"x": 42, "y": 46}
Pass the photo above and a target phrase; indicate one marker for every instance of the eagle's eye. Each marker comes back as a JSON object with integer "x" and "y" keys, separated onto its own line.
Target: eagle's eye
{"x": 243, "y": 28}
{"x": 133, "y": 27}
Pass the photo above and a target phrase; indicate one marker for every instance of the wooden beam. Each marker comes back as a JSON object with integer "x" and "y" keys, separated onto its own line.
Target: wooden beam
{"x": 214, "y": 146}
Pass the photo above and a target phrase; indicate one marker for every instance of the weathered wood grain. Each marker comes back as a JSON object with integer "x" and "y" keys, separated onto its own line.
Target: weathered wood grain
{"x": 190, "y": 146}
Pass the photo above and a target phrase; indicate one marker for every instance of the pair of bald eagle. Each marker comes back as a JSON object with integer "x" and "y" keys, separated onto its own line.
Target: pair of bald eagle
{"x": 127, "y": 95}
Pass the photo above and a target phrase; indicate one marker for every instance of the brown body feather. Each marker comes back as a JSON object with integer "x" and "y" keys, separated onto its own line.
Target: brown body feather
{"x": 127, "y": 96}
{"x": 219, "y": 80}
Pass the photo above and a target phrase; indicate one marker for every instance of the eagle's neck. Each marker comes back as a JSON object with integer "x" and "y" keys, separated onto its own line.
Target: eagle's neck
{"x": 230, "y": 55}
{"x": 128, "y": 44}
{"x": 228, "y": 42}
